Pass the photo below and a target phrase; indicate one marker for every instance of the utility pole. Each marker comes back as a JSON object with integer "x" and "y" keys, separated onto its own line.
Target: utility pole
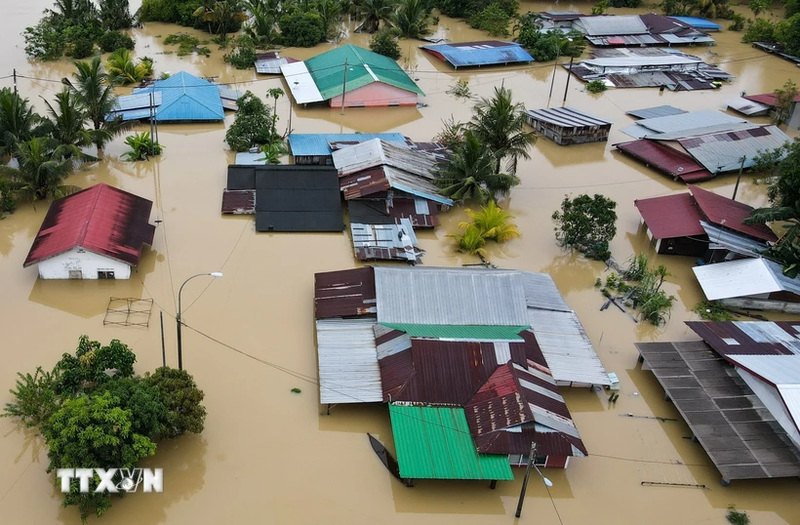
{"x": 344, "y": 84}
{"x": 163, "y": 346}
{"x": 15, "y": 80}
{"x": 525, "y": 481}
{"x": 553, "y": 80}
{"x": 152, "y": 123}
{"x": 738, "y": 178}
{"x": 569, "y": 74}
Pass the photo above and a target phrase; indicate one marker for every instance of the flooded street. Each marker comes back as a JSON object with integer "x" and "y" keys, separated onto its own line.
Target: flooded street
{"x": 268, "y": 455}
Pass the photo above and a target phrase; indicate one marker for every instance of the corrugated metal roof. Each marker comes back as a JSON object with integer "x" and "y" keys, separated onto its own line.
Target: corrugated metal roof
{"x": 541, "y": 292}
{"x": 344, "y": 293}
{"x": 375, "y": 152}
{"x": 655, "y": 112}
{"x": 768, "y": 99}
{"x": 699, "y": 23}
{"x": 239, "y": 202}
{"x": 777, "y": 370}
{"x": 382, "y": 178}
{"x": 724, "y": 151}
{"x": 747, "y": 107}
{"x": 101, "y": 219}
{"x": 749, "y": 337}
{"x": 687, "y": 39}
{"x": 138, "y": 101}
{"x": 723, "y": 239}
{"x": 566, "y": 347}
{"x": 567, "y": 117}
{"x": 318, "y": 144}
{"x": 640, "y": 61}
{"x": 743, "y": 278}
{"x": 187, "y": 98}
{"x": 270, "y": 63}
{"x": 434, "y": 443}
{"x": 665, "y": 159}
{"x": 685, "y": 121}
{"x": 703, "y": 130}
{"x": 301, "y": 83}
{"x": 730, "y": 214}
{"x": 363, "y": 67}
{"x": 348, "y": 362}
{"x": 671, "y": 216}
{"x": 611, "y": 25}
{"x": 385, "y": 241}
{"x": 455, "y": 296}
{"x": 466, "y": 332}
{"x": 491, "y": 52}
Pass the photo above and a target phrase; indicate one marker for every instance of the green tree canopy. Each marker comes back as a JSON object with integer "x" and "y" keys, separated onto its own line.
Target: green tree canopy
{"x": 182, "y": 399}
{"x": 587, "y": 224}
{"x": 253, "y": 125}
{"x": 499, "y": 122}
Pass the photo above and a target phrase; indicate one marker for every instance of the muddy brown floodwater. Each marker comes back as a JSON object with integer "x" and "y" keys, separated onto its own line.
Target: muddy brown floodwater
{"x": 268, "y": 455}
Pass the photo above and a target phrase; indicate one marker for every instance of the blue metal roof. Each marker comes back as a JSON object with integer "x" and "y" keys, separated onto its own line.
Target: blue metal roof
{"x": 698, "y": 23}
{"x": 491, "y": 52}
{"x": 186, "y": 98}
{"x": 310, "y": 144}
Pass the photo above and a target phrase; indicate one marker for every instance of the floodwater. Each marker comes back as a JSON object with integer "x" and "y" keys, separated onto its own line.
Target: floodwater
{"x": 270, "y": 456}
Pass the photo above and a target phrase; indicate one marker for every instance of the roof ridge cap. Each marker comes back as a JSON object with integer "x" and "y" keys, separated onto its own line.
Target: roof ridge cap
{"x": 85, "y": 227}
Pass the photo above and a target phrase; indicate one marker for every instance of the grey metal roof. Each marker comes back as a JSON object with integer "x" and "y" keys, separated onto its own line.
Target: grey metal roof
{"x": 611, "y": 25}
{"x": 541, "y": 292}
{"x": 724, "y": 239}
{"x": 566, "y": 347}
{"x": 139, "y": 101}
{"x": 639, "y": 61}
{"x": 372, "y": 239}
{"x": 417, "y": 186}
{"x": 567, "y": 117}
{"x": 376, "y": 152}
{"x": 704, "y": 130}
{"x": 348, "y": 362}
{"x": 682, "y": 124}
{"x": 695, "y": 39}
{"x": 656, "y": 111}
{"x": 724, "y": 151}
{"x": 743, "y": 278}
{"x": 747, "y": 107}
{"x": 450, "y": 296}
{"x": 775, "y": 369}
{"x": 226, "y": 93}
{"x": 245, "y": 158}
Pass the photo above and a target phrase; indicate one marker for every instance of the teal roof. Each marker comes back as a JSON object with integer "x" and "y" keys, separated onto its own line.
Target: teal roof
{"x": 446, "y": 331}
{"x": 364, "y": 67}
{"x": 435, "y": 443}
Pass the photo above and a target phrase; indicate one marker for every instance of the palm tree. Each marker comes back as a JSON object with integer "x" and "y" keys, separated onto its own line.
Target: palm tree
{"x": 412, "y": 18}
{"x": 94, "y": 92}
{"x": 469, "y": 173}
{"x": 262, "y": 25}
{"x": 77, "y": 11}
{"x": 471, "y": 241}
{"x": 115, "y": 14}
{"x": 500, "y": 124}
{"x": 18, "y": 122}
{"x": 788, "y": 214}
{"x": 331, "y": 13}
{"x": 493, "y": 222}
{"x": 372, "y": 13}
{"x": 123, "y": 70}
{"x": 66, "y": 123}
{"x": 43, "y": 166}
{"x": 275, "y": 93}
{"x": 221, "y": 13}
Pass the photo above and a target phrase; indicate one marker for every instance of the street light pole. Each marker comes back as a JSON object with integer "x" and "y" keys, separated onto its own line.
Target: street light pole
{"x": 178, "y": 316}
{"x": 524, "y": 488}
{"x": 555, "y": 65}
{"x": 569, "y": 74}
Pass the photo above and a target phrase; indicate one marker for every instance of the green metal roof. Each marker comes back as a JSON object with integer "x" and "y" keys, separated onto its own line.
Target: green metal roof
{"x": 447, "y": 331}
{"x": 435, "y": 443}
{"x": 364, "y": 67}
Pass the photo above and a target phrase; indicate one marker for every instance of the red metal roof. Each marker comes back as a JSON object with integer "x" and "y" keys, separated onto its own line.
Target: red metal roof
{"x": 727, "y": 337}
{"x": 101, "y": 219}
{"x": 718, "y": 208}
{"x": 364, "y": 183}
{"x": 671, "y": 216}
{"x": 768, "y": 99}
{"x": 344, "y": 293}
{"x": 665, "y": 159}
{"x": 239, "y": 202}
{"x": 407, "y": 209}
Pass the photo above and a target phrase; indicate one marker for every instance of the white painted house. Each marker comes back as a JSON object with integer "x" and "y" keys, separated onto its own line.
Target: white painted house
{"x": 97, "y": 233}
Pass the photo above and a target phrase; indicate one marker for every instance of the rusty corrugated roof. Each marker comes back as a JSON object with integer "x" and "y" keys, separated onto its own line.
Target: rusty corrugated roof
{"x": 671, "y": 216}
{"x": 665, "y": 159}
{"x": 749, "y": 337}
{"x": 344, "y": 293}
{"x": 718, "y": 209}
{"x": 239, "y": 202}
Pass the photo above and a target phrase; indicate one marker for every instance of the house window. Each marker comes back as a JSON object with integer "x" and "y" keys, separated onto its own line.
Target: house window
{"x": 105, "y": 274}
{"x": 75, "y": 274}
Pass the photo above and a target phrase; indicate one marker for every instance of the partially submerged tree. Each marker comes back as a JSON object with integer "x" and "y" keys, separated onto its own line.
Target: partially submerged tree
{"x": 499, "y": 123}
{"x": 253, "y": 125}
{"x": 43, "y": 166}
{"x": 784, "y": 102}
{"x": 372, "y": 13}
{"x": 385, "y": 43}
{"x": 122, "y": 69}
{"x": 18, "y": 121}
{"x": 587, "y": 224}
{"x": 471, "y": 241}
{"x": 493, "y": 222}
{"x": 221, "y": 16}
{"x": 412, "y": 18}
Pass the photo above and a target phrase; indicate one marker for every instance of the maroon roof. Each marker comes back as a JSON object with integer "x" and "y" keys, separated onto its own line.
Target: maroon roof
{"x": 665, "y": 159}
{"x": 239, "y": 202}
{"x": 663, "y": 24}
{"x": 367, "y": 182}
{"x": 768, "y": 99}
{"x": 102, "y": 219}
{"x": 533, "y": 353}
{"x": 726, "y": 337}
{"x": 407, "y": 209}
{"x": 439, "y": 372}
{"x": 671, "y": 216}
{"x": 718, "y": 208}
{"x": 344, "y": 293}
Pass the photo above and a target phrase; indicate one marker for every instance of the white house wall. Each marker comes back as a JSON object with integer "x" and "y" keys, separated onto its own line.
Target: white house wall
{"x": 771, "y": 398}
{"x": 88, "y": 263}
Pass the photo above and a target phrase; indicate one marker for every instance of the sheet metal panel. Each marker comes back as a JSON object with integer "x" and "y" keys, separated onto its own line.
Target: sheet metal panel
{"x": 671, "y": 216}
{"x": 655, "y": 112}
{"x": 722, "y": 239}
{"x": 185, "y": 98}
{"x": 451, "y": 296}
{"x": 749, "y": 337}
{"x": 747, "y": 107}
{"x": 138, "y": 101}
{"x": 344, "y": 293}
{"x": 698, "y": 23}
{"x": 348, "y": 362}
{"x": 374, "y": 153}
{"x": 301, "y": 84}
{"x": 566, "y": 348}
{"x": 567, "y": 117}
{"x": 611, "y": 25}
{"x": 724, "y": 152}
{"x": 686, "y": 121}
{"x": 733, "y": 214}
{"x": 664, "y": 159}
{"x": 239, "y": 202}
{"x": 777, "y": 370}
{"x": 318, "y": 144}
{"x": 385, "y": 241}
{"x": 541, "y": 292}
{"x": 740, "y": 278}
{"x": 487, "y": 53}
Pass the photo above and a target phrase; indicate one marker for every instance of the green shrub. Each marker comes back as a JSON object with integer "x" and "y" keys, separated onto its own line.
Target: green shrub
{"x": 242, "y": 54}
{"x": 384, "y": 43}
{"x": 252, "y": 126}
{"x": 301, "y": 29}
{"x": 626, "y": 3}
{"x": 737, "y": 22}
{"x": 712, "y": 311}
{"x": 81, "y": 48}
{"x": 586, "y": 224}
{"x": 187, "y": 44}
{"x": 113, "y": 40}
{"x": 493, "y": 19}
{"x": 759, "y": 30}
{"x": 142, "y": 146}
{"x": 596, "y": 86}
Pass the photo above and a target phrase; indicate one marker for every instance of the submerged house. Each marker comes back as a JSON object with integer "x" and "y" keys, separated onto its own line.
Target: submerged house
{"x": 769, "y": 100}
{"x": 180, "y": 98}
{"x": 483, "y": 53}
{"x": 371, "y": 80}
{"x": 638, "y": 30}
{"x": 567, "y": 125}
{"x": 738, "y": 389}
{"x": 270, "y": 63}
{"x": 317, "y": 148}
{"x": 701, "y": 223}
{"x": 753, "y": 284}
{"x": 484, "y": 350}
{"x": 97, "y": 233}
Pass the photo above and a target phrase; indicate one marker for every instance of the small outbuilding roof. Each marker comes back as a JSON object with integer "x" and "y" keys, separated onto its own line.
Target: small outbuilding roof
{"x": 270, "y": 63}
{"x": 655, "y": 112}
{"x": 435, "y": 443}
{"x": 375, "y": 152}
{"x": 344, "y": 293}
{"x": 484, "y": 53}
{"x": 749, "y": 337}
{"x": 665, "y": 159}
{"x": 319, "y": 144}
{"x": 698, "y": 23}
{"x": 743, "y": 278}
{"x": 767, "y": 99}
{"x": 721, "y": 152}
{"x": 348, "y": 363}
{"x": 101, "y": 219}
{"x": 671, "y": 216}
{"x": 612, "y": 25}
{"x": 682, "y": 123}
{"x": 567, "y": 117}
{"x": 723, "y": 239}
{"x": 391, "y": 242}
{"x": 747, "y": 107}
